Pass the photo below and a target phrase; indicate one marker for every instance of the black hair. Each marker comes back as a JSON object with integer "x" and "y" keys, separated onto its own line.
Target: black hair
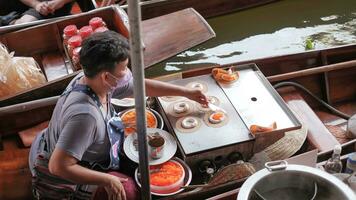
{"x": 102, "y": 51}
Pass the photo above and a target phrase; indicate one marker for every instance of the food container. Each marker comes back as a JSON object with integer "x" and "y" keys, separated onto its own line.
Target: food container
{"x": 167, "y": 177}
{"x": 68, "y": 32}
{"x": 75, "y": 57}
{"x": 187, "y": 178}
{"x": 85, "y": 31}
{"x": 129, "y": 119}
{"x": 101, "y": 29}
{"x": 288, "y": 182}
{"x": 351, "y": 163}
{"x": 97, "y": 22}
{"x": 73, "y": 43}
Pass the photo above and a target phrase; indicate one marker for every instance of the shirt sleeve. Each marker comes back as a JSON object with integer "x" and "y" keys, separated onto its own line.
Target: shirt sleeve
{"x": 125, "y": 91}
{"x": 77, "y": 135}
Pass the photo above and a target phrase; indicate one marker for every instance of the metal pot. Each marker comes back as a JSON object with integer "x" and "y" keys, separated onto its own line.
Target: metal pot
{"x": 293, "y": 182}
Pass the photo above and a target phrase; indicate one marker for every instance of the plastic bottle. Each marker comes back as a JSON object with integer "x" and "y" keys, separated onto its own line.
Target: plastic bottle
{"x": 68, "y": 32}
{"x": 351, "y": 163}
{"x": 334, "y": 165}
{"x": 85, "y": 31}
{"x": 100, "y": 30}
{"x": 73, "y": 43}
{"x": 97, "y": 22}
{"x": 75, "y": 58}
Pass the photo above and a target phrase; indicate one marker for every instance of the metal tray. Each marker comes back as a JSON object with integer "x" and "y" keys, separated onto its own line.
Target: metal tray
{"x": 257, "y": 102}
{"x": 206, "y": 137}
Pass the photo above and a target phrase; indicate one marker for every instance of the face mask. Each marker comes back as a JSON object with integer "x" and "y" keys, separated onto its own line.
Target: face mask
{"x": 121, "y": 82}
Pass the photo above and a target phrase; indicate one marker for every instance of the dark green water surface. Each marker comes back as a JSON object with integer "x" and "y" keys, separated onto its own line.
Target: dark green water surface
{"x": 274, "y": 29}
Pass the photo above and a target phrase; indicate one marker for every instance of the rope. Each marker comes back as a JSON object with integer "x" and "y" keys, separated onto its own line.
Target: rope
{"x": 328, "y": 106}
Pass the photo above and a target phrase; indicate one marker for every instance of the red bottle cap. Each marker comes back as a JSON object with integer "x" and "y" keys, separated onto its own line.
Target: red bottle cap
{"x": 76, "y": 51}
{"x": 70, "y": 30}
{"x": 96, "y": 22}
{"x": 85, "y": 31}
{"x": 75, "y": 41}
{"x": 100, "y": 29}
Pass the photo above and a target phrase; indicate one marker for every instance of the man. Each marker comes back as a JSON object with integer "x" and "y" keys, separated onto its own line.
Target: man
{"x": 22, "y": 11}
{"x": 84, "y": 136}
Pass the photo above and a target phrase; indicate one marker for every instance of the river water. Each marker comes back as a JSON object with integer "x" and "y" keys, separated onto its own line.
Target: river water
{"x": 274, "y": 29}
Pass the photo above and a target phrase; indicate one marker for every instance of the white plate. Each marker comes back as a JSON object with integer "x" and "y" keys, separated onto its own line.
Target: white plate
{"x": 125, "y": 102}
{"x": 170, "y": 147}
{"x": 187, "y": 178}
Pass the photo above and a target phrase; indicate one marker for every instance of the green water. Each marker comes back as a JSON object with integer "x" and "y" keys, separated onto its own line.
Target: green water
{"x": 274, "y": 29}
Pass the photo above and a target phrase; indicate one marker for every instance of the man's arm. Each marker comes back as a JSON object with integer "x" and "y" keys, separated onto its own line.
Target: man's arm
{"x": 65, "y": 166}
{"x": 31, "y": 3}
{"x": 158, "y": 88}
{"x": 77, "y": 135}
{"x": 57, "y": 4}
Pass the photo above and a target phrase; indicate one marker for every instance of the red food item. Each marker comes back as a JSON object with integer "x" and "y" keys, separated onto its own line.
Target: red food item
{"x": 101, "y": 29}
{"x": 70, "y": 30}
{"x": 85, "y": 31}
{"x": 75, "y": 41}
{"x": 96, "y": 22}
{"x": 218, "y": 116}
{"x": 168, "y": 173}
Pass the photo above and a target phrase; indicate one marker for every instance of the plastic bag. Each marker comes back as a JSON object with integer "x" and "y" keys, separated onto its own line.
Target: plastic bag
{"x": 18, "y": 73}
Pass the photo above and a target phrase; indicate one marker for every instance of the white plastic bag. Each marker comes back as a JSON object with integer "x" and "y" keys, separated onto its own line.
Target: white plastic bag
{"x": 18, "y": 73}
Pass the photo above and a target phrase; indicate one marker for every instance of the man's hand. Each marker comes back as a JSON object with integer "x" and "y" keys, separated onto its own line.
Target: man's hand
{"x": 43, "y": 8}
{"x": 198, "y": 96}
{"x": 115, "y": 189}
{"x": 57, "y": 4}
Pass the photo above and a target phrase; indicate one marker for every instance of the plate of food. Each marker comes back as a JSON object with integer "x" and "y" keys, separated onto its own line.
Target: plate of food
{"x": 168, "y": 178}
{"x": 125, "y": 102}
{"x": 226, "y": 76}
{"x": 128, "y": 117}
{"x": 169, "y": 148}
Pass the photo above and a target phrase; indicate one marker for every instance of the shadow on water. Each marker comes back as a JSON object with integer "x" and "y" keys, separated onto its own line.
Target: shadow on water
{"x": 275, "y": 29}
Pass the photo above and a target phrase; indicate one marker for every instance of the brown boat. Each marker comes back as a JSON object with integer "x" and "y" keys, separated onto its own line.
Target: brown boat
{"x": 44, "y": 43}
{"x": 329, "y": 74}
{"x": 211, "y": 8}
{"x": 154, "y": 8}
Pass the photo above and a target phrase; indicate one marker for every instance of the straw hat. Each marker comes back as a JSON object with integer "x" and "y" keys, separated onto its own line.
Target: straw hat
{"x": 282, "y": 149}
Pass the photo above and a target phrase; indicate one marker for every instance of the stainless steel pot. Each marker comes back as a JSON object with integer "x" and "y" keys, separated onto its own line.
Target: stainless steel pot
{"x": 293, "y": 182}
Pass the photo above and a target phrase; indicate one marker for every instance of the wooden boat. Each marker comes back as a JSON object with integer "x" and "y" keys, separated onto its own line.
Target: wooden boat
{"x": 154, "y": 8}
{"x": 212, "y": 8}
{"x": 44, "y": 43}
{"x": 327, "y": 73}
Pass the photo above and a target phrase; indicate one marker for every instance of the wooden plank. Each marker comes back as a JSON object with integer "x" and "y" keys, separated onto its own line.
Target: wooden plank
{"x": 211, "y": 8}
{"x": 164, "y": 37}
{"x": 54, "y": 66}
{"x": 318, "y": 135}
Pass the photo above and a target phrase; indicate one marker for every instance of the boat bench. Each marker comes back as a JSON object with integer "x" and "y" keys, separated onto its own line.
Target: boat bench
{"x": 15, "y": 176}
{"x": 318, "y": 135}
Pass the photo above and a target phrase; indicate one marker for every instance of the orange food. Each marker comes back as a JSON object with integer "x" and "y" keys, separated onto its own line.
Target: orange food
{"x": 165, "y": 174}
{"x": 260, "y": 129}
{"x": 218, "y": 116}
{"x": 224, "y": 75}
{"x": 229, "y": 77}
{"x": 130, "y": 118}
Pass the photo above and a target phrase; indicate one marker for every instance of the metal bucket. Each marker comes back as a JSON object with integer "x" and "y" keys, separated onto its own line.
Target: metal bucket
{"x": 293, "y": 182}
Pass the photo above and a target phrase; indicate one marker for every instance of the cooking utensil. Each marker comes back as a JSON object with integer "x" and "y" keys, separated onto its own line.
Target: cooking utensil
{"x": 279, "y": 180}
{"x": 215, "y": 108}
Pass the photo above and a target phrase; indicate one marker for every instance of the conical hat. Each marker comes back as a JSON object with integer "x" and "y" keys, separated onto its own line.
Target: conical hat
{"x": 282, "y": 149}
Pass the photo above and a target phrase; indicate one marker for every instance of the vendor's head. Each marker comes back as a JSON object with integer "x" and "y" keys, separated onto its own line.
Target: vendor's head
{"x": 104, "y": 57}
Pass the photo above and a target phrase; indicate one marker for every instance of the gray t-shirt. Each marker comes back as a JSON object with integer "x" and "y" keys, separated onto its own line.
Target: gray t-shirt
{"x": 77, "y": 126}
